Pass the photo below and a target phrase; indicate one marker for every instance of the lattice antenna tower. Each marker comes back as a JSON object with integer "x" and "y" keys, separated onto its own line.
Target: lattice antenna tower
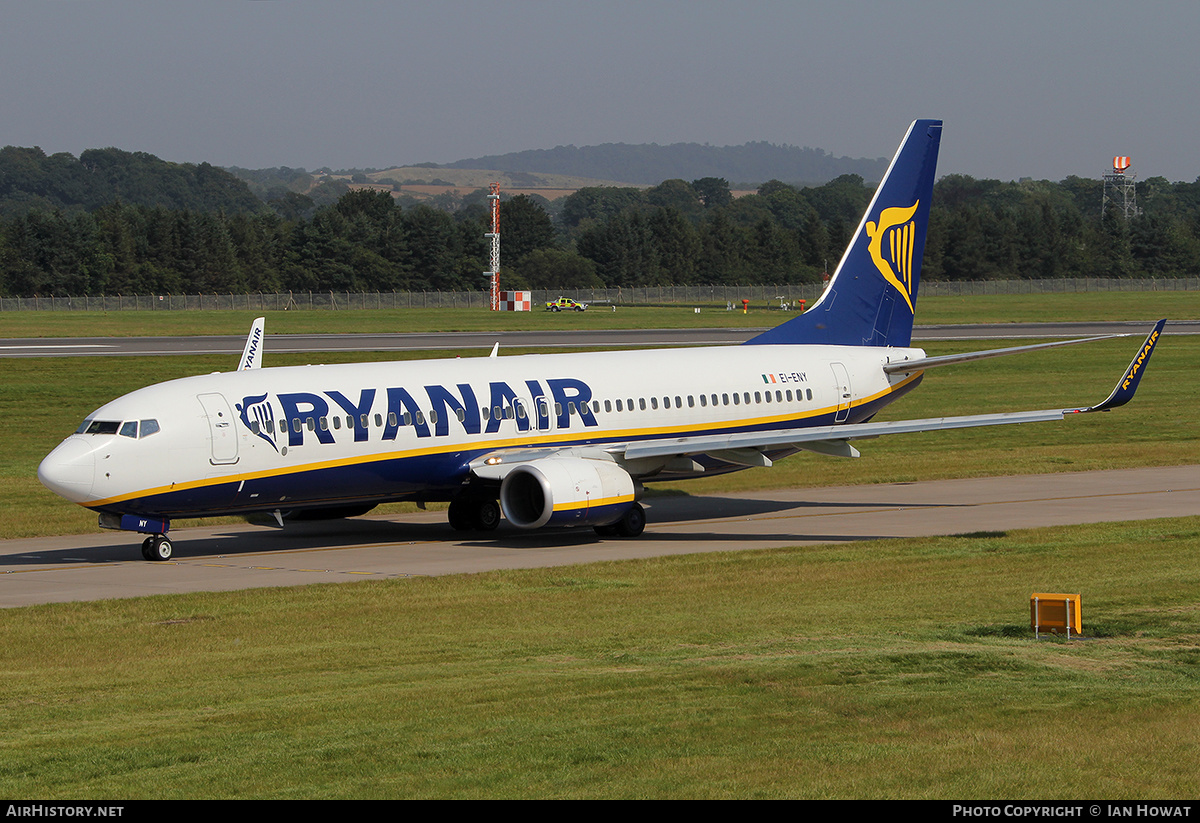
{"x": 494, "y": 273}
{"x": 1120, "y": 190}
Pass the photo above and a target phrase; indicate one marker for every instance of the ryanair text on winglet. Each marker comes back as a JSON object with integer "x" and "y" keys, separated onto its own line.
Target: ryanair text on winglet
{"x": 1141, "y": 358}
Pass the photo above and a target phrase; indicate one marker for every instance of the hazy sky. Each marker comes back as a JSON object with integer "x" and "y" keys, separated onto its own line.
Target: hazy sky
{"x": 1027, "y": 89}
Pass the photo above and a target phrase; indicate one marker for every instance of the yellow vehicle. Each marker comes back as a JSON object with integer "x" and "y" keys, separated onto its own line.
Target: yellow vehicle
{"x": 565, "y": 304}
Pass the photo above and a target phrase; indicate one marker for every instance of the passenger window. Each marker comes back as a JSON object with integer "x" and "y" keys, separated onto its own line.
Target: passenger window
{"x": 296, "y": 424}
{"x": 608, "y": 405}
{"x": 725, "y": 399}
{"x": 420, "y": 419}
{"x": 619, "y": 408}
{"x": 642, "y": 403}
{"x": 433, "y": 416}
{"x": 324, "y": 421}
{"x": 789, "y": 395}
{"x": 654, "y": 402}
{"x": 678, "y": 402}
{"x": 337, "y": 422}
{"x": 809, "y": 393}
{"x": 391, "y": 418}
{"x": 310, "y": 424}
{"x": 254, "y": 428}
{"x": 703, "y": 400}
{"x": 129, "y": 429}
{"x": 778, "y": 397}
{"x": 691, "y": 402}
{"x": 746, "y": 396}
{"x": 378, "y": 421}
{"x": 767, "y": 396}
{"x": 408, "y": 418}
{"x": 736, "y": 398}
{"x": 462, "y": 415}
{"x": 757, "y": 398}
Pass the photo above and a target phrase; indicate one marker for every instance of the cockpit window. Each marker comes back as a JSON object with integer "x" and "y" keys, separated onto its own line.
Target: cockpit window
{"x": 129, "y": 428}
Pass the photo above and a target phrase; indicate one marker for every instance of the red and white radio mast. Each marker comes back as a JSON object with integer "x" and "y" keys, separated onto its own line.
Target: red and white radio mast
{"x": 494, "y": 273}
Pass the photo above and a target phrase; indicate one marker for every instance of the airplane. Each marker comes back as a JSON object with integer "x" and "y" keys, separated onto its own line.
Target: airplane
{"x": 542, "y": 439}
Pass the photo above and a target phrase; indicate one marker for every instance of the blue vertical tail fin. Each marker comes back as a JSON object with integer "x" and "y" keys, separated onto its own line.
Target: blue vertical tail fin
{"x": 870, "y": 298}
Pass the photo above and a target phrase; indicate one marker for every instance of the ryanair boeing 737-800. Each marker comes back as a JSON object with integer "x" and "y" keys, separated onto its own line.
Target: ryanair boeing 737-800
{"x": 542, "y": 440}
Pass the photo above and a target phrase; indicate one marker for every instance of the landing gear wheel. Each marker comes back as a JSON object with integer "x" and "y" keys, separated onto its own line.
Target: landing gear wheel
{"x": 487, "y": 515}
{"x": 460, "y": 515}
{"x": 157, "y": 548}
{"x": 633, "y": 522}
{"x": 479, "y": 514}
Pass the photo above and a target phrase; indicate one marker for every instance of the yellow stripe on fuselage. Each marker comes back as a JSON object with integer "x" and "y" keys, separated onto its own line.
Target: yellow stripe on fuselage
{"x": 528, "y": 439}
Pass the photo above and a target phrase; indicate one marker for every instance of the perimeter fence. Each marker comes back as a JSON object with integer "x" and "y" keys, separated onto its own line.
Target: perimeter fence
{"x": 641, "y": 296}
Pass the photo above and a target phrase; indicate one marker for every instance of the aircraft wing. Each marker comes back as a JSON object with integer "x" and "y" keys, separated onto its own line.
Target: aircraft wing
{"x": 746, "y": 448}
{"x": 835, "y": 439}
{"x": 828, "y": 435}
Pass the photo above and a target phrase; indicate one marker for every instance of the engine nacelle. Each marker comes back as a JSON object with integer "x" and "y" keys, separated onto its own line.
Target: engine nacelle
{"x": 566, "y": 491}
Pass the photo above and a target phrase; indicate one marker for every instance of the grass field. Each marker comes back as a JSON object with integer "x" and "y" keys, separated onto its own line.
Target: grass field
{"x": 889, "y": 669}
{"x": 1146, "y": 306}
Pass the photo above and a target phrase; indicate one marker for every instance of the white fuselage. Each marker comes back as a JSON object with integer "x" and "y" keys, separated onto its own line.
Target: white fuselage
{"x": 266, "y": 439}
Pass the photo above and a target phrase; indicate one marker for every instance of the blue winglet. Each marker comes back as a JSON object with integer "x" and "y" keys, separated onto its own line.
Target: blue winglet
{"x": 1128, "y": 383}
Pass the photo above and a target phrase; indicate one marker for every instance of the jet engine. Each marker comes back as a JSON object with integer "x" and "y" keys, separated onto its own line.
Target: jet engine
{"x": 566, "y": 491}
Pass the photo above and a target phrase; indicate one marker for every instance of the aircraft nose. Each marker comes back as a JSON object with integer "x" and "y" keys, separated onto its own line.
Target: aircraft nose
{"x": 69, "y": 470}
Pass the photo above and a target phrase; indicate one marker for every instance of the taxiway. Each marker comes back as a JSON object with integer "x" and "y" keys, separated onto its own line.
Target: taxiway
{"x": 223, "y": 558}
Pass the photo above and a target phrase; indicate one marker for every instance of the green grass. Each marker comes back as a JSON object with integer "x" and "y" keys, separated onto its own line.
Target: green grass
{"x": 1147, "y": 306}
{"x": 889, "y": 669}
{"x": 1056, "y": 308}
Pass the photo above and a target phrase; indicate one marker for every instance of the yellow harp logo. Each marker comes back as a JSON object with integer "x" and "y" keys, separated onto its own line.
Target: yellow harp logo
{"x": 899, "y": 231}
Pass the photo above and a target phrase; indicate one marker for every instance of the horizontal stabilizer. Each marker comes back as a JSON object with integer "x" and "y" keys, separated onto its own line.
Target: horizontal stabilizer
{"x": 922, "y": 363}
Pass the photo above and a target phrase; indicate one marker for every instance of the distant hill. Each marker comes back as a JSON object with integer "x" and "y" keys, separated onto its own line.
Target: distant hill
{"x": 650, "y": 163}
{"x": 31, "y": 179}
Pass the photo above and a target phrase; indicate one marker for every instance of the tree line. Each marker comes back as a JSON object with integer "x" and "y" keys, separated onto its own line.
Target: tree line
{"x": 676, "y": 233}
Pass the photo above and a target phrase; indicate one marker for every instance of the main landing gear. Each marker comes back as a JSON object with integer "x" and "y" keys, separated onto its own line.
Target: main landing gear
{"x": 631, "y": 524}
{"x": 478, "y": 513}
{"x": 157, "y": 547}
